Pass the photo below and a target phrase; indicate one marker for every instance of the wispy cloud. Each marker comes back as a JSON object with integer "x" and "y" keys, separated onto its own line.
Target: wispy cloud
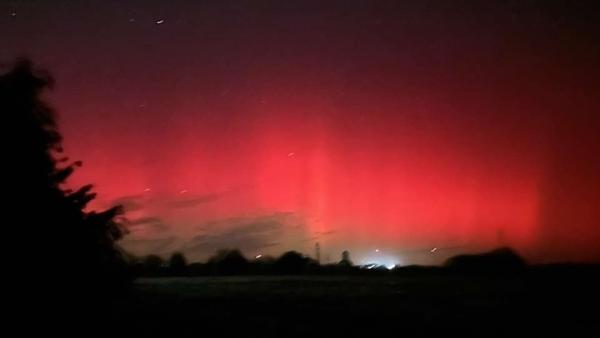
{"x": 192, "y": 201}
{"x": 149, "y": 222}
{"x": 246, "y": 234}
{"x": 159, "y": 246}
{"x": 130, "y": 203}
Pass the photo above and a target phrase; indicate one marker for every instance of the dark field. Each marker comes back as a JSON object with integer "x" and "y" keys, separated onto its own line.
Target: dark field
{"x": 532, "y": 305}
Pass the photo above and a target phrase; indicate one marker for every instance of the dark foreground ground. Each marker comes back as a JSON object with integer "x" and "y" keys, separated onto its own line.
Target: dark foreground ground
{"x": 544, "y": 305}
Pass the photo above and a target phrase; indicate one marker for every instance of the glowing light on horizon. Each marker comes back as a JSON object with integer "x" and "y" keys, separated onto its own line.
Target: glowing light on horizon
{"x": 379, "y": 260}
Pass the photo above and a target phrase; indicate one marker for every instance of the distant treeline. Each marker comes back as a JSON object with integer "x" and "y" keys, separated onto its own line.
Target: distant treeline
{"x": 233, "y": 262}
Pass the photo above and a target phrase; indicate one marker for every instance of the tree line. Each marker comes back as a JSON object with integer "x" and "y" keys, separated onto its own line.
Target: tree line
{"x": 229, "y": 262}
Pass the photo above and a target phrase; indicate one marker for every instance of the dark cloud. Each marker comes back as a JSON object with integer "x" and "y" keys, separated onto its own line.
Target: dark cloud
{"x": 187, "y": 200}
{"x": 246, "y": 234}
{"x": 130, "y": 203}
{"x": 154, "y": 223}
{"x": 159, "y": 246}
{"x": 192, "y": 201}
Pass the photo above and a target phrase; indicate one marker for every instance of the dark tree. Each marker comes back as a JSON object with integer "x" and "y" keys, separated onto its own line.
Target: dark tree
{"x": 152, "y": 265}
{"x": 346, "y": 259}
{"x": 229, "y": 262}
{"x": 177, "y": 263}
{"x": 292, "y": 262}
{"x": 74, "y": 245}
{"x": 498, "y": 260}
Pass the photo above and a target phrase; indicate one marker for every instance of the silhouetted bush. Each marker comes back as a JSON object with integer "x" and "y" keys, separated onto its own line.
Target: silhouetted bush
{"x": 229, "y": 262}
{"x": 293, "y": 262}
{"x": 177, "y": 264}
{"x": 499, "y": 260}
{"x": 152, "y": 265}
{"x": 198, "y": 269}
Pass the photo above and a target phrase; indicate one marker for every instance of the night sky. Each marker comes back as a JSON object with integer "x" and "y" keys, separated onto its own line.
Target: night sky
{"x": 402, "y": 131}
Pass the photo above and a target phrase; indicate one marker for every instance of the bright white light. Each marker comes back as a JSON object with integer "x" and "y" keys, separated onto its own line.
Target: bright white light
{"x": 376, "y": 250}
{"x": 433, "y": 250}
{"x": 159, "y": 22}
{"x": 380, "y": 259}
{"x": 258, "y": 256}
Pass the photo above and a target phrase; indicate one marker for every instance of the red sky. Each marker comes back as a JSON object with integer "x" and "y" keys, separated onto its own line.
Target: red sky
{"x": 269, "y": 126}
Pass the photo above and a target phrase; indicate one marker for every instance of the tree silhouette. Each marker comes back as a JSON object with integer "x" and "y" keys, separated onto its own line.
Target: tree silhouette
{"x": 53, "y": 226}
{"x": 346, "y": 259}
{"x": 229, "y": 262}
{"x": 152, "y": 265}
{"x": 499, "y": 260}
{"x": 292, "y": 262}
{"x": 177, "y": 263}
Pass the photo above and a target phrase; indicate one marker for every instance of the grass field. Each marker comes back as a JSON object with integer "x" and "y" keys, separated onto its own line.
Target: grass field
{"x": 377, "y": 306}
